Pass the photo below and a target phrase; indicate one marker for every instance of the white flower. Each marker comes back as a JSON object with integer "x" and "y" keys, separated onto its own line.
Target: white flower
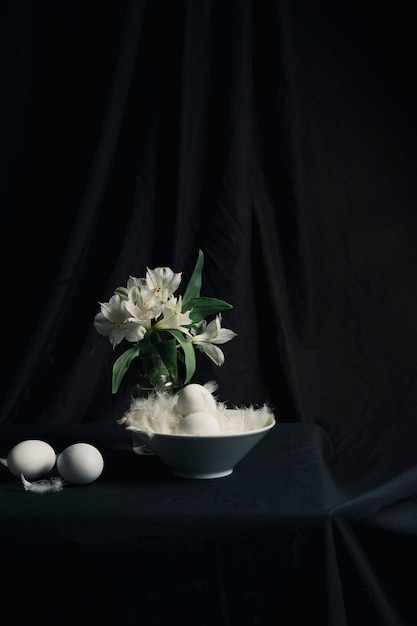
{"x": 163, "y": 281}
{"x": 143, "y": 303}
{"x": 173, "y": 319}
{"x": 114, "y": 322}
{"x": 212, "y": 334}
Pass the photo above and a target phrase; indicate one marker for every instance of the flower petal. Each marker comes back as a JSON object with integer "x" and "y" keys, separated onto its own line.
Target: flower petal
{"x": 212, "y": 351}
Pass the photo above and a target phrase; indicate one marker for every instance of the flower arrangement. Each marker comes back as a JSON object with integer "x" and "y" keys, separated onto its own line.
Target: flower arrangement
{"x": 148, "y": 315}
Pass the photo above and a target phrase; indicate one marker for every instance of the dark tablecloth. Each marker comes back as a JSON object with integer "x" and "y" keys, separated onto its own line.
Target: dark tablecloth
{"x": 276, "y": 542}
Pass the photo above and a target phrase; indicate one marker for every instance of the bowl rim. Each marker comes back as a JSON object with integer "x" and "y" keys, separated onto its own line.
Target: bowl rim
{"x": 187, "y": 436}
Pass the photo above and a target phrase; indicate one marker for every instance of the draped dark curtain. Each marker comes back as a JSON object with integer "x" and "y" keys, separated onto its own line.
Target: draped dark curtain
{"x": 280, "y": 138}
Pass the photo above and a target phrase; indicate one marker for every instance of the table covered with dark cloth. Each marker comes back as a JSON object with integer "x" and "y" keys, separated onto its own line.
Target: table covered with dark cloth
{"x": 279, "y": 541}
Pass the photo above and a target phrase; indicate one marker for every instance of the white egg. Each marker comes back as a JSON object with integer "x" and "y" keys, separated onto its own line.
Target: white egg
{"x": 194, "y": 398}
{"x": 198, "y": 423}
{"x": 33, "y": 458}
{"x": 80, "y": 463}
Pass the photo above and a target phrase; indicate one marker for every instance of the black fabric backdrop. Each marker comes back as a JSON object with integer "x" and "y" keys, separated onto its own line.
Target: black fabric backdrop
{"x": 279, "y": 137}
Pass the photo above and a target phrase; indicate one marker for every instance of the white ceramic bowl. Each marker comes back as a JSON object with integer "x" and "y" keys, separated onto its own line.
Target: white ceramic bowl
{"x": 198, "y": 456}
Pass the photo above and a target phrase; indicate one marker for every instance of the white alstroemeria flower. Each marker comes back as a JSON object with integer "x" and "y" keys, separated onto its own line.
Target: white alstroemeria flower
{"x": 212, "y": 334}
{"x": 163, "y": 281}
{"x": 132, "y": 281}
{"x": 122, "y": 292}
{"x": 114, "y": 322}
{"x": 143, "y": 303}
{"x": 173, "y": 319}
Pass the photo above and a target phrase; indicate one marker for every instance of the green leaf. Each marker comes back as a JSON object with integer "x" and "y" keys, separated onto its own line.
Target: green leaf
{"x": 121, "y": 365}
{"x": 194, "y": 286}
{"x": 202, "y": 307}
{"x": 189, "y": 354}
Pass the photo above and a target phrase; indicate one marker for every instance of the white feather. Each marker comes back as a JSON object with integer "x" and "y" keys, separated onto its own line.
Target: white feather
{"x": 48, "y": 485}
